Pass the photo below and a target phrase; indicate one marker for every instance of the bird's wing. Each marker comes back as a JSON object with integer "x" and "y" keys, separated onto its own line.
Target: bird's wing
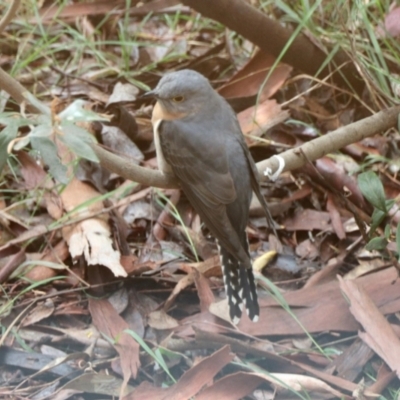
{"x": 255, "y": 183}
{"x": 198, "y": 158}
{"x": 199, "y": 161}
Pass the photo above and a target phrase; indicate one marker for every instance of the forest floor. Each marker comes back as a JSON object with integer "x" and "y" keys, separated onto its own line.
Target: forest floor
{"x": 113, "y": 289}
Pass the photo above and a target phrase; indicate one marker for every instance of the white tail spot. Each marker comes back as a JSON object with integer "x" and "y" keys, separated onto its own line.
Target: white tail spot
{"x": 235, "y": 320}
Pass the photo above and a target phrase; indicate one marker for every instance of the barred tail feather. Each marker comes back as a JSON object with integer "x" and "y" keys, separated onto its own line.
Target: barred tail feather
{"x": 248, "y": 292}
{"x": 230, "y": 273}
{"x": 240, "y": 288}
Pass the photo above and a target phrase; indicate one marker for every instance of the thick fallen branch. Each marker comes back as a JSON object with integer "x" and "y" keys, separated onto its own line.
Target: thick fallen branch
{"x": 270, "y": 36}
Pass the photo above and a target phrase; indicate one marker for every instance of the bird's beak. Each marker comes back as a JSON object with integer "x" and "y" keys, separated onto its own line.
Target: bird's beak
{"x": 152, "y": 94}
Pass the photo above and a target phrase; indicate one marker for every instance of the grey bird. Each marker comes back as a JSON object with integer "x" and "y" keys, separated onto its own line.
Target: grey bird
{"x": 198, "y": 139}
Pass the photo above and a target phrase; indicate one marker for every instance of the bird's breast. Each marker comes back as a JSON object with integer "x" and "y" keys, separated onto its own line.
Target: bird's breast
{"x": 156, "y": 120}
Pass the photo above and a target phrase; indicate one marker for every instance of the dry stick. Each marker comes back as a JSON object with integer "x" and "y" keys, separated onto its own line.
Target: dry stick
{"x": 293, "y": 158}
{"x": 272, "y": 37}
{"x": 9, "y": 15}
{"x": 12, "y": 265}
{"x": 134, "y": 172}
{"x": 334, "y": 140}
{"x": 15, "y": 90}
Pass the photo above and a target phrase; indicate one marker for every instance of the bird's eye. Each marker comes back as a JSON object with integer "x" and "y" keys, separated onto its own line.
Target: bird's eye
{"x": 178, "y": 99}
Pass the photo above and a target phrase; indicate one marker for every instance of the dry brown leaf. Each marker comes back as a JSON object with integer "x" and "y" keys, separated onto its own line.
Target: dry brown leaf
{"x": 379, "y": 335}
{"x": 326, "y": 274}
{"x": 208, "y": 268}
{"x": 231, "y": 387}
{"x": 336, "y": 177}
{"x": 335, "y": 218}
{"x": 56, "y": 254}
{"x": 53, "y": 205}
{"x": 87, "y": 337}
{"x": 90, "y": 237}
{"x": 9, "y": 264}
{"x": 322, "y": 307}
{"x": 329, "y": 378}
{"x": 41, "y": 311}
{"x": 350, "y": 362}
{"x": 204, "y": 321}
{"x": 161, "y": 320}
{"x": 34, "y": 175}
{"x": 299, "y": 383}
{"x": 366, "y": 267}
{"x": 182, "y": 284}
{"x": 221, "y": 309}
{"x": 392, "y": 25}
{"x": 78, "y": 9}
{"x": 261, "y": 117}
{"x": 260, "y": 349}
{"x": 248, "y": 81}
{"x": 100, "y": 384}
{"x": 307, "y": 220}
{"x": 38, "y": 230}
{"x": 383, "y": 379}
{"x": 307, "y": 250}
{"x": 204, "y": 291}
{"x": 72, "y": 11}
{"x": 77, "y": 193}
{"x": 107, "y": 321}
{"x": 238, "y": 385}
{"x": 191, "y": 382}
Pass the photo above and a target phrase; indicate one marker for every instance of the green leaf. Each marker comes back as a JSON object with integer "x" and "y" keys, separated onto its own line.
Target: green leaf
{"x": 48, "y": 152}
{"x": 387, "y": 232}
{"x": 6, "y": 135}
{"x": 43, "y": 130}
{"x": 377, "y": 243}
{"x": 75, "y": 112}
{"x": 390, "y": 203}
{"x": 11, "y": 118}
{"x": 38, "y": 104}
{"x": 372, "y": 189}
{"x": 377, "y": 217}
{"x": 78, "y": 139}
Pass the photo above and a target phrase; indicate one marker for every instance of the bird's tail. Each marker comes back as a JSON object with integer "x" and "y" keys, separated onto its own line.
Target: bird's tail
{"x": 240, "y": 288}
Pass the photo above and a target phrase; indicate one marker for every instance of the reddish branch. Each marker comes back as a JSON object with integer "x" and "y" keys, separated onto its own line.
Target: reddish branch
{"x": 272, "y": 37}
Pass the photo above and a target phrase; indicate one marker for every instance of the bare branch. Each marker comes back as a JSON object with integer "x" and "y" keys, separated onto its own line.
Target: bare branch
{"x": 334, "y": 140}
{"x": 132, "y": 171}
{"x": 15, "y": 90}
{"x": 9, "y": 15}
{"x": 270, "y": 36}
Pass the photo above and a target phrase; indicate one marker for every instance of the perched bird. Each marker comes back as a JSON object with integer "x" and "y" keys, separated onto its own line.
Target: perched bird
{"x": 198, "y": 139}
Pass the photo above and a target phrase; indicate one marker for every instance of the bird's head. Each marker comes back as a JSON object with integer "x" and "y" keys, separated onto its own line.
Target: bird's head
{"x": 182, "y": 93}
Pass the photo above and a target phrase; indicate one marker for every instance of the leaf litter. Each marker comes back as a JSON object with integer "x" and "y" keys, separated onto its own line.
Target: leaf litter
{"x": 72, "y": 329}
